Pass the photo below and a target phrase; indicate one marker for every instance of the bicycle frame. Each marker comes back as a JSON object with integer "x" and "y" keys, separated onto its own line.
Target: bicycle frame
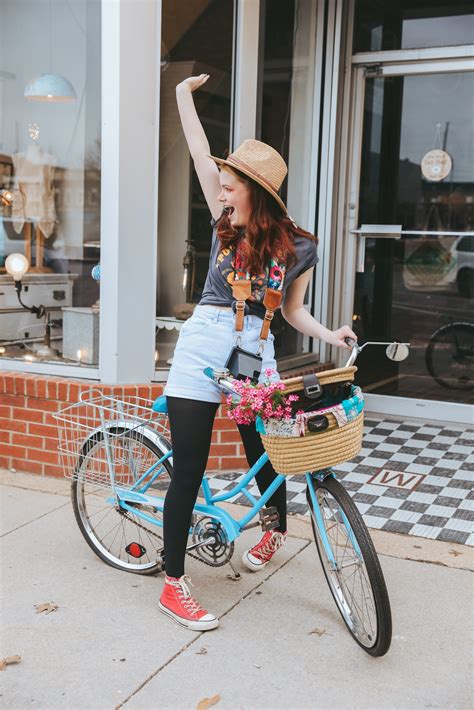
{"x": 128, "y": 499}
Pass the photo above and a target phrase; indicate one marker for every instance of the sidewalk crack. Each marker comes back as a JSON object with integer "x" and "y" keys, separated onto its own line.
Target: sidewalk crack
{"x": 199, "y": 634}
{"x": 29, "y": 522}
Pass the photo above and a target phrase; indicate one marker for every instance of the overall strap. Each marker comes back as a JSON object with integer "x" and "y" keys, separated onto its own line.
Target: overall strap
{"x": 242, "y": 290}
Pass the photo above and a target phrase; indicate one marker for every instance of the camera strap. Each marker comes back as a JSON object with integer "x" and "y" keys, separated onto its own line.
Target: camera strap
{"x": 242, "y": 290}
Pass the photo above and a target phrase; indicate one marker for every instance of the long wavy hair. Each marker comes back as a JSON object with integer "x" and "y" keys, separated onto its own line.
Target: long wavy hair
{"x": 269, "y": 232}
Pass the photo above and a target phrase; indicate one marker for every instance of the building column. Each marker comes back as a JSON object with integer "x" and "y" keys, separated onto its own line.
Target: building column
{"x": 245, "y": 71}
{"x": 131, "y": 43}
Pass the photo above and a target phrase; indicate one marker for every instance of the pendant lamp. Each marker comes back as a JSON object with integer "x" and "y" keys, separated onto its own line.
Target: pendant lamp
{"x": 50, "y": 87}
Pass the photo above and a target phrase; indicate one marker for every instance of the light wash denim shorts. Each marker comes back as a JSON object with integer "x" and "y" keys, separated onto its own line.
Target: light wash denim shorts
{"x": 205, "y": 340}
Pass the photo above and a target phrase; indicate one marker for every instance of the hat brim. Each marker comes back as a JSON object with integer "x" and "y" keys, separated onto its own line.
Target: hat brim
{"x": 241, "y": 169}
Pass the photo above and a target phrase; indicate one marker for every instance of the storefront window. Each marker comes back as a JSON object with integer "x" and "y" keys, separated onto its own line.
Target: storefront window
{"x": 385, "y": 25}
{"x": 286, "y": 89}
{"x": 196, "y": 38}
{"x": 50, "y": 177}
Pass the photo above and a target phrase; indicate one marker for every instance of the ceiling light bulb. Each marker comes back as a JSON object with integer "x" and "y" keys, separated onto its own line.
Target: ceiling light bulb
{"x": 17, "y": 265}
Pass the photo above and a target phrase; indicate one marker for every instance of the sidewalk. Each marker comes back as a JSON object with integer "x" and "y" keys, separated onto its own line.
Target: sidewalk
{"x": 107, "y": 645}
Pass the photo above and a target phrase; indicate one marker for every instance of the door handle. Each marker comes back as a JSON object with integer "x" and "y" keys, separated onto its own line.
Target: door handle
{"x": 373, "y": 231}
{"x": 392, "y": 231}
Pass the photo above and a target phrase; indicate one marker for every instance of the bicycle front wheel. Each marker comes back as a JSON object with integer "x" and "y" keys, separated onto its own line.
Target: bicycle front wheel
{"x": 351, "y": 566}
{"x": 129, "y": 540}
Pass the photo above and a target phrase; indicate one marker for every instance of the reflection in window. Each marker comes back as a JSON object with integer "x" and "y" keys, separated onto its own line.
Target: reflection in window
{"x": 416, "y": 171}
{"x": 385, "y": 25}
{"x": 285, "y": 100}
{"x": 196, "y": 38}
{"x": 435, "y": 115}
{"x": 50, "y": 163}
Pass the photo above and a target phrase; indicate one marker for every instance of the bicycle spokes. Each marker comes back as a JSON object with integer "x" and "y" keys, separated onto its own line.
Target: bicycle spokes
{"x": 350, "y": 565}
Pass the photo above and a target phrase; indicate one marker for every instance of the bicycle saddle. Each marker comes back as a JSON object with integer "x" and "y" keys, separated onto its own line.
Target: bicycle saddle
{"x": 160, "y": 405}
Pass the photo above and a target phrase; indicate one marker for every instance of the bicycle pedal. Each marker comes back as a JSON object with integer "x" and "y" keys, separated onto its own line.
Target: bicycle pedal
{"x": 269, "y": 518}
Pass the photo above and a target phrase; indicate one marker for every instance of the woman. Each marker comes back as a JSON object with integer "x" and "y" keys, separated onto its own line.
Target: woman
{"x": 250, "y": 228}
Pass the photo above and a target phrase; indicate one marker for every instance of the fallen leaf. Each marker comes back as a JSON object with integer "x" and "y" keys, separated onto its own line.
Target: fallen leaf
{"x": 8, "y": 661}
{"x": 319, "y": 632}
{"x": 208, "y": 702}
{"x": 48, "y": 607}
{"x": 455, "y": 553}
{"x": 201, "y": 651}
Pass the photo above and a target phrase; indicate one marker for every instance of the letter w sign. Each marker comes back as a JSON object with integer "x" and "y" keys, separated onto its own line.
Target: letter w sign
{"x": 397, "y": 479}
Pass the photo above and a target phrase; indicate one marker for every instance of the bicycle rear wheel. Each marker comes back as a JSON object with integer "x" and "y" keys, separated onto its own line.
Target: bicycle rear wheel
{"x": 449, "y": 356}
{"x": 121, "y": 538}
{"x": 354, "y": 575}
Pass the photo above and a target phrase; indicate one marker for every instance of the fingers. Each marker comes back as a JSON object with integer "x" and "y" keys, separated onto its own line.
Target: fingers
{"x": 194, "y": 82}
{"x": 197, "y": 81}
{"x": 348, "y": 333}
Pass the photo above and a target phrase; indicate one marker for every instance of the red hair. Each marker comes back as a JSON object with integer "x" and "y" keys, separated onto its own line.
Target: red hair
{"x": 269, "y": 232}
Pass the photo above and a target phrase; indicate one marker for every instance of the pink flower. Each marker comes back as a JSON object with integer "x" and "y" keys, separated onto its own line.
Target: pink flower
{"x": 267, "y": 400}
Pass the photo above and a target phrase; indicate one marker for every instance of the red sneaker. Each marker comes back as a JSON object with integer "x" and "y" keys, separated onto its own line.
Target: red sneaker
{"x": 177, "y": 603}
{"x": 258, "y": 556}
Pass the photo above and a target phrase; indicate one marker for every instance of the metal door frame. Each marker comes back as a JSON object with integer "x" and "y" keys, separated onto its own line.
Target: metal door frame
{"x": 380, "y": 64}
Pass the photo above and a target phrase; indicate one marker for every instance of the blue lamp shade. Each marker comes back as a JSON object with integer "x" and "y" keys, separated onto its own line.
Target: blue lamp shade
{"x": 50, "y": 87}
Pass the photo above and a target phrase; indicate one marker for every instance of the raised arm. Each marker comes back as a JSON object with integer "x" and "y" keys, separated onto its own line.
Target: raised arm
{"x": 198, "y": 145}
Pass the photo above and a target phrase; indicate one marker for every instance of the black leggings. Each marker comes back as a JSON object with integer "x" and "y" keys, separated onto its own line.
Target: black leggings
{"x": 191, "y": 425}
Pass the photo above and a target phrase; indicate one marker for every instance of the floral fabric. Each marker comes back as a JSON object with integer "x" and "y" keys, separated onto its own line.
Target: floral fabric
{"x": 344, "y": 413}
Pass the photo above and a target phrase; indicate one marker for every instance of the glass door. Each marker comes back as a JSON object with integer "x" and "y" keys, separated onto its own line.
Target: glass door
{"x": 413, "y": 221}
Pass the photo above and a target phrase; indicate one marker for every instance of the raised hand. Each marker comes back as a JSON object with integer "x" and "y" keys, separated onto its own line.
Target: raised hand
{"x": 193, "y": 82}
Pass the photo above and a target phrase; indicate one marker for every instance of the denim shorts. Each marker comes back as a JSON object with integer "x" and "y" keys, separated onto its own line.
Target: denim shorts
{"x": 205, "y": 340}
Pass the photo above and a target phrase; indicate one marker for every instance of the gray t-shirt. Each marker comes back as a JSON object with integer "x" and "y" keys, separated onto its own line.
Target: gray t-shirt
{"x": 218, "y": 290}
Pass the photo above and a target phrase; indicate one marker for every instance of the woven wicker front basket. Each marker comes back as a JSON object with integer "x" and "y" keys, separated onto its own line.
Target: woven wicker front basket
{"x": 315, "y": 451}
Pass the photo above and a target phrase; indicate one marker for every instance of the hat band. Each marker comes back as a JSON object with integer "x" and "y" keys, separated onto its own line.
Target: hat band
{"x": 243, "y": 165}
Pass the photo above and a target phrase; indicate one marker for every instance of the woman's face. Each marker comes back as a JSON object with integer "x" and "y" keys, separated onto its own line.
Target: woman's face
{"x": 235, "y": 195}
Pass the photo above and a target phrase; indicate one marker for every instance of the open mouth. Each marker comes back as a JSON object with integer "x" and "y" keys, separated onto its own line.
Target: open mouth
{"x": 228, "y": 210}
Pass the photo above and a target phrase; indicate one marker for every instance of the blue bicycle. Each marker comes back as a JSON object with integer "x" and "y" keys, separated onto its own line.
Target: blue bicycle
{"x": 119, "y": 456}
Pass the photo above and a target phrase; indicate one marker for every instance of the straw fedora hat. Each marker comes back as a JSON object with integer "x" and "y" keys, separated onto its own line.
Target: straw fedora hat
{"x": 261, "y": 163}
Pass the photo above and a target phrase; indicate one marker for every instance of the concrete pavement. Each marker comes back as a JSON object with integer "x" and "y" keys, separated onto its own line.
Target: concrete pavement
{"x": 107, "y": 645}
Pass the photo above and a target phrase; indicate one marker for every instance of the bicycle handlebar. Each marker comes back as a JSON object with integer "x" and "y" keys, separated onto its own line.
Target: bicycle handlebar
{"x": 225, "y": 381}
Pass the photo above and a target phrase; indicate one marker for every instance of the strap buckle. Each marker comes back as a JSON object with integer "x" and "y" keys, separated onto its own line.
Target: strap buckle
{"x": 312, "y": 386}
{"x": 240, "y": 306}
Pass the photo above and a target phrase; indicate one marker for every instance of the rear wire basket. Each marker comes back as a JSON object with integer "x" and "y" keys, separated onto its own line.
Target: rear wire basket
{"x": 101, "y": 439}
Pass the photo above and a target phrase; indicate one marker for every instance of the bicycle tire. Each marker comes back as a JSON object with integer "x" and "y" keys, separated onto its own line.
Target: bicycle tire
{"x": 377, "y": 642}
{"x": 440, "y": 368}
{"x": 146, "y": 564}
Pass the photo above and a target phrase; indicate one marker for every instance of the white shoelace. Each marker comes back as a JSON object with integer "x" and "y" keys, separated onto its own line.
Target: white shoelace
{"x": 276, "y": 541}
{"x": 188, "y": 602}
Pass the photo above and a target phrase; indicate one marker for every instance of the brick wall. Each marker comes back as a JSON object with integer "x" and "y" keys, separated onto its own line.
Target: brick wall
{"x": 28, "y": 432}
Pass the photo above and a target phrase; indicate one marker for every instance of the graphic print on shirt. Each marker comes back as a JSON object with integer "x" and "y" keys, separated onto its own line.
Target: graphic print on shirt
{"x": 225, "y": 264}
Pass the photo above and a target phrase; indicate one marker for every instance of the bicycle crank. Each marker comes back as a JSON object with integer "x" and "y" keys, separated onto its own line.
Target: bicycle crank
{"x": 210, "y": 542}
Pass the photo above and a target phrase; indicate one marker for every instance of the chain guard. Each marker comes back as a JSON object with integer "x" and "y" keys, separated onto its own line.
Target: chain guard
{"x": 218, "y": 553}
